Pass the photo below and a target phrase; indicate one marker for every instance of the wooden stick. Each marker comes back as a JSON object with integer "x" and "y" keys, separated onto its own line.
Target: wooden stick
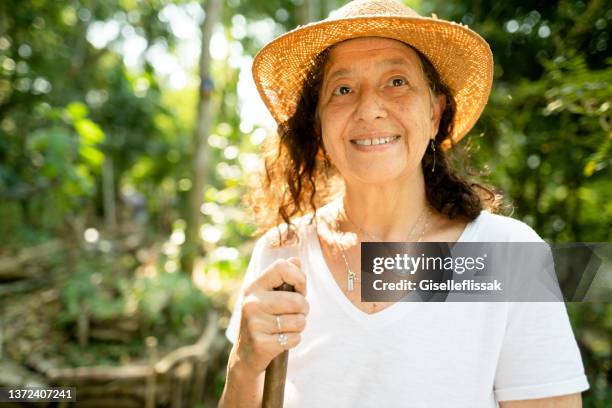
{"x": 276, "y": 373}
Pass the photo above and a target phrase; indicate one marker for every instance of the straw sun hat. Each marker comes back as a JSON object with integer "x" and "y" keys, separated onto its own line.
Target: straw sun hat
{"x": 462, "y": 58}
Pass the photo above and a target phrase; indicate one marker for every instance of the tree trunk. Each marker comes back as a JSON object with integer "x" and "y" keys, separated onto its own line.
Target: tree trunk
{"x": 307, "y": 12}
{"x": 199, "y": 177}
{"x": 327, "y": 6}
{"x": 108, "y": 191}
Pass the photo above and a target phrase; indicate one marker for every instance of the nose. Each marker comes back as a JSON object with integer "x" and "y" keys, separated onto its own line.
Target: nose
{"x": 370, "y": 105}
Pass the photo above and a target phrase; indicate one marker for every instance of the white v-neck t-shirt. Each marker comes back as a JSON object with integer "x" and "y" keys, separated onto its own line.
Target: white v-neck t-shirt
{"x": 415, "y": 354}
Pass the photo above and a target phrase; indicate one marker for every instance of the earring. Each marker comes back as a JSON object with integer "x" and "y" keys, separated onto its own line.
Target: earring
{"x": 433, "y": 147}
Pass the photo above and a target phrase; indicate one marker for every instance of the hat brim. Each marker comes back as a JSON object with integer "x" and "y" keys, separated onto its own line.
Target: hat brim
{"x": 462, "y": 58}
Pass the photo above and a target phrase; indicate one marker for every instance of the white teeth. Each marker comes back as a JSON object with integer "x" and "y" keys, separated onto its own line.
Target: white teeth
{"x": 375, "y": 141}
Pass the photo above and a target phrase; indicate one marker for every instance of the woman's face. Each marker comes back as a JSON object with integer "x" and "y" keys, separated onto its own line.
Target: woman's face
{"x": 376, "y": 111}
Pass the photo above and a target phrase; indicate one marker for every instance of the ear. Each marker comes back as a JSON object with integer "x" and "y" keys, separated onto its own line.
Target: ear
{"x": 438, "y": 104}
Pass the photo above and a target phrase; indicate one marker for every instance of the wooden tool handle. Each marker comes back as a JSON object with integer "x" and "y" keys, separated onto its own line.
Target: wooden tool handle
{"x": 274, "y": 384}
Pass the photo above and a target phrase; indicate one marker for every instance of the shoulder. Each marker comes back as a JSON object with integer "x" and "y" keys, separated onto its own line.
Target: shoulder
{"x": 282, "y": 238}
{"x": 500, "y": 228}
{"x": 302, "y": 228}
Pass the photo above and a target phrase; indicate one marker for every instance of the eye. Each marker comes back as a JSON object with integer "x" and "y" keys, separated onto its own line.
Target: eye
{"x": 397, "y": 82}
{"x": 341, "y": 90}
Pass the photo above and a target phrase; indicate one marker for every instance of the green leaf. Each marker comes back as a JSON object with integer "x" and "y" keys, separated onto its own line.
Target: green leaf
{"x": 90, "y": 132}
{"x": 77, "y": 111}
{"x": 91, "y": 155}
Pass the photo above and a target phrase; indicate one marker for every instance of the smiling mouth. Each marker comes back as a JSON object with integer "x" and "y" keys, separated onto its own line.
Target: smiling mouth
{"x": 375, "y": 141}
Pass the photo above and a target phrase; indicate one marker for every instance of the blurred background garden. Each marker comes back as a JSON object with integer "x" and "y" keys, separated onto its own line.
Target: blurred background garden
{"x": 129, "y": 129}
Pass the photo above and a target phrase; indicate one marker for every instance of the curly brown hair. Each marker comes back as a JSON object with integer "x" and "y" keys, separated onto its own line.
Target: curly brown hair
{"x": 298, "y": 177}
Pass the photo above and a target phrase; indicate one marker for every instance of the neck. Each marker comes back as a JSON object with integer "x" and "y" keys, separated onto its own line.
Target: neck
{"x": 388, "y": 211}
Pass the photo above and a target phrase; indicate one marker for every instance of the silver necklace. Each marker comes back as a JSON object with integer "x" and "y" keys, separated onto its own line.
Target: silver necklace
{"x": 425, "y": 210}
{"x": 352, "y": 276}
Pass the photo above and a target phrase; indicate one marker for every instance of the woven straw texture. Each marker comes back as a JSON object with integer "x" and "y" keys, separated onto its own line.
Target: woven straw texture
{"x": 462, "y": 58}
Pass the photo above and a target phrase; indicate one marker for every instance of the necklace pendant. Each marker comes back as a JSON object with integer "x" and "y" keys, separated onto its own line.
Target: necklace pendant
{"x": 351, "y": 280}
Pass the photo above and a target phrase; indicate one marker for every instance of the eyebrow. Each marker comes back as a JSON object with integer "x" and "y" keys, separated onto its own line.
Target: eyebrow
{"x": 386, "y": 62}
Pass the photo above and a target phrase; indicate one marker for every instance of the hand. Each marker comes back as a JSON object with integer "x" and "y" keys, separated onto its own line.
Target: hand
{"x": 257, "y": 341}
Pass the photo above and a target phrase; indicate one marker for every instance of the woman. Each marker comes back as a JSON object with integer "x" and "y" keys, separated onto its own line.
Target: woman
{"x": 367, "y": 102}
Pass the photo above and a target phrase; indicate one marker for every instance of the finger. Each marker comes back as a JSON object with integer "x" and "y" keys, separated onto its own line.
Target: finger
{"x": 279, "y": 302}
{"x": 296, "y": 261}
{"x": 289, "y": 323}
{"x": 282, "y": 271}
{"x": 267, "y": 324}
{"x": 272, "y": 341}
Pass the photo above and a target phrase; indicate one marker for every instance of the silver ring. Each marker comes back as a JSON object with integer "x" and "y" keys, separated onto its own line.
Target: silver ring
{"x": 283, "y": 339}
{"x": 278, "y": 323}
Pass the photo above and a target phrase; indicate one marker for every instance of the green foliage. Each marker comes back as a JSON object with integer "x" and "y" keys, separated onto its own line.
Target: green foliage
{"x": 63, "y": 159}
{"x": 87, "y": 294}
{"x": 67, "y": 107}
{"x": 164, "y": 301}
